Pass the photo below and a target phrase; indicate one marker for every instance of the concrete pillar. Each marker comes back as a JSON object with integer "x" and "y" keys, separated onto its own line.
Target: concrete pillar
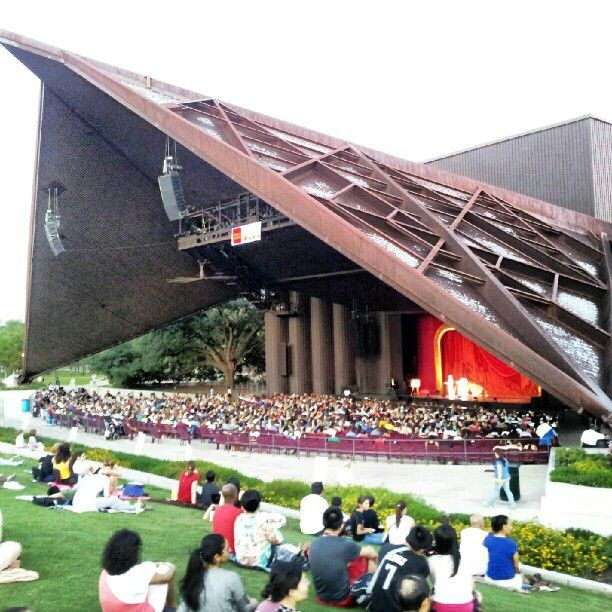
{"x": 375, "y": 371}
{"x": 344, "y": 354}
{"x": 299, "y": 346}
{"x": 391, "y": 358}
{"x": 321, "y": 342}
{"x": 276, "y": 353}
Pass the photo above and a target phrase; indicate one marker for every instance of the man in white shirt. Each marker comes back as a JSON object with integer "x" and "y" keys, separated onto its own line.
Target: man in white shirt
{"x": 312, "y": 508}
{"x": 92, "y": 494}
{"x": 590, "y": 437}
{"x": 474, "y": 555}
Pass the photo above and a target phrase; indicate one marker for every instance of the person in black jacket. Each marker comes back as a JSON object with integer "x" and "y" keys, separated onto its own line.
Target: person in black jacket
{"x": 44, "y": 472}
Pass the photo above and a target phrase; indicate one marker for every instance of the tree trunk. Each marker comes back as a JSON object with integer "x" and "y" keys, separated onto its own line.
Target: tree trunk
{"x": 229, "y": 372}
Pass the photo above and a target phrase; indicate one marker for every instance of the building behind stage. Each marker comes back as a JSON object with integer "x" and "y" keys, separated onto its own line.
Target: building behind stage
{"x": 568, "y": 164}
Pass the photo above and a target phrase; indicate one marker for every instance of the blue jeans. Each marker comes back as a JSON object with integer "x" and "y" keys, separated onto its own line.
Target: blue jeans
{"x": 498, "y": 486}
{"x": 373, "y": 538}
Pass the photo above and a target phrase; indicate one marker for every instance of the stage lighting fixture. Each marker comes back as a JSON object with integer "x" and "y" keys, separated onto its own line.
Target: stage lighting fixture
{"x": 52, "y": 219}
{"x": 171, "y": 186}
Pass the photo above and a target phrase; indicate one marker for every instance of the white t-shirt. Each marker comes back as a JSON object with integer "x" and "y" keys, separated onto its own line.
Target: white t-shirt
{"x": 312, "y": 508}
{"x": 20, "y": 441}
{"x": 449, "y": 589}
{"x": 90, "y": 486}
{"x": 474, "y": 555}
{"x": 397, "y": 535}
{"x": 133, "y": 586}
{"x": 590, "y": 437}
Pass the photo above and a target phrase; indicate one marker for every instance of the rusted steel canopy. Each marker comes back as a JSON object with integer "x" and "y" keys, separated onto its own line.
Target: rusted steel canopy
{"x": 495, "y": 264}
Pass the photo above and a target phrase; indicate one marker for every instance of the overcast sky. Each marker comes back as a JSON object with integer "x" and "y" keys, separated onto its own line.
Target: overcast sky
{"x": 416, "y": 79}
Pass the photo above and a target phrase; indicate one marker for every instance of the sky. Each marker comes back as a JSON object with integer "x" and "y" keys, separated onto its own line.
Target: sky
{"x": 415, "y": 79}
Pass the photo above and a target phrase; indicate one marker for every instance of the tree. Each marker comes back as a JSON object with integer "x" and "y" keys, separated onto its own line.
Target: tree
{"x": 221, "y": 339}
{"x": 230, "y": 336}
{"x": 11, "y": 346}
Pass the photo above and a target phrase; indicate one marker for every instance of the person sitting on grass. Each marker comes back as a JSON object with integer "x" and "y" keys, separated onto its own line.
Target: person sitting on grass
{"x": 411, "y": 594}
{"x": 207, "y": 586}
{"x": 111, "y": 470}
{"x": 286, "y": 587}
{"x": 208, "y": 490}
{"x": 225, "y": 516}
{"x": 398, "y": 525}
{"x": 312, "y": 508}
{"x": 93, "y": 494}
{"x": 397, "y": 565}
{"x": 209, "y": 515}
{"x": 256, "y": 532}
{"x": 187, "y": 490}
{"x": 20, "y": 439}
{"x": 61, "y": 464}
{"x": 10, "y": 564}
{"x": 75, "y": 465}
{"x": 126, "y": 584}
{"x": 453, "y": 581}
{"x": 364, "y": 522}
{"x": 503, "y": 568}
{"x": 43, "y": 472}
{"x": 337, "y": 562}
{"x": 33, "y": 444}
{"x": 473, "y": 553}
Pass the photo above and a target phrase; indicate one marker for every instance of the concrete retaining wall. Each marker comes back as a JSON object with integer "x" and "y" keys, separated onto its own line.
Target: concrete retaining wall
{"x": 565, "y": 505}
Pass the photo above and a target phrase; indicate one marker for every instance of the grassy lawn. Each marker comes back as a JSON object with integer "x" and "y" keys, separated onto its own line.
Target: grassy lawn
{"x": 65, "y": 375}
{"x": 65, "y": 549}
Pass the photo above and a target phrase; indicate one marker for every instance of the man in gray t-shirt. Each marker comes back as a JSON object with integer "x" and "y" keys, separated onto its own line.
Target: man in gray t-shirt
{"x": 329, "y": 558}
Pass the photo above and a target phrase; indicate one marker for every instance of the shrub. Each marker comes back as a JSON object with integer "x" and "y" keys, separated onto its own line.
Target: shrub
{"x": 575, "y": 466}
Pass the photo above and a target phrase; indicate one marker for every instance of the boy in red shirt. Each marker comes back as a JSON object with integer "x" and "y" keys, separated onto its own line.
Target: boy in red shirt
{"x": 226, "y": 515}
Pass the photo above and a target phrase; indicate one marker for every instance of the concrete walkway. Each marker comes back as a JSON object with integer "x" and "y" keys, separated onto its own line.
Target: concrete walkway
{"x": 451, "y": 488}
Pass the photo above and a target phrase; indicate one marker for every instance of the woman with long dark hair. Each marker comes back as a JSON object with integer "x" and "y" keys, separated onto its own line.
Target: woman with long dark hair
{"x": 453, "y": 582}
{"x": 207, "y": 587}
{"x": 286, "y": 587}
{"x": 60, "y": 462}
{"x": 126, "y": 584}
{"x": 399, "y": 524}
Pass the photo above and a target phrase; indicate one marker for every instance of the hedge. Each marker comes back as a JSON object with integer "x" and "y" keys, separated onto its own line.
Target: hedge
{"x": 575, "y": 551}
{"x": 575, "y": 466}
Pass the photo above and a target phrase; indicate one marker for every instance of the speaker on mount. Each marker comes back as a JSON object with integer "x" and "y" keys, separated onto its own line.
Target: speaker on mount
{"x": 52, "y": 232}
{"x": 172, "y": 194}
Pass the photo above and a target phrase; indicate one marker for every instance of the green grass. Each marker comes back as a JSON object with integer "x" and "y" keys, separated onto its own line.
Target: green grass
{"x": 64, "y": 374}
{"x": 65, "y": 549}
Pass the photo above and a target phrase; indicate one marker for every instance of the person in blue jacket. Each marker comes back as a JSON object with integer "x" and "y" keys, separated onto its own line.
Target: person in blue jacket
{"x": 501, "y": 479}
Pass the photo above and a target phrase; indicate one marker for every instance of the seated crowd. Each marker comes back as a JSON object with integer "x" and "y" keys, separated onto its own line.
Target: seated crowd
{"x": 414, "y": 569}
{"x": 353, "y": 560}
{"x": 294, "y": 416}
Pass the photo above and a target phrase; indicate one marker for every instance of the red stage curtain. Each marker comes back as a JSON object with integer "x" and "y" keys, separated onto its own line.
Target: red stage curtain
{"x": 426, "y": 329}
{"x": 462, "y": 358}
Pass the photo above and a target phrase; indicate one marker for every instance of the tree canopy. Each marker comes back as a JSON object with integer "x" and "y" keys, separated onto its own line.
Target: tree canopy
{"x": 219, "y": 340}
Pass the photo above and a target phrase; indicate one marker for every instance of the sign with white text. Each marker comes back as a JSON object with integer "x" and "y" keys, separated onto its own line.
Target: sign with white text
{"x": 243, "y": 234}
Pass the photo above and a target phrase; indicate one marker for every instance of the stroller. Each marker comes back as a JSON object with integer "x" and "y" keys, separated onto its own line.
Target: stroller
{"x": 113, "y": 428}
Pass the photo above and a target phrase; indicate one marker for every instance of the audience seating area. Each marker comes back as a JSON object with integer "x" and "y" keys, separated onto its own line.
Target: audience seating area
{"x": 396, "y": 447}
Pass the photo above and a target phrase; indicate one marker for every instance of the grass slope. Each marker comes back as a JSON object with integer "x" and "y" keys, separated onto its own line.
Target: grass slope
{"x": 65, "y": 549}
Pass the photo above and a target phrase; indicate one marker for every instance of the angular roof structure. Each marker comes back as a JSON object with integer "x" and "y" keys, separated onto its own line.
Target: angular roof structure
{"x": 524, "y": 279}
